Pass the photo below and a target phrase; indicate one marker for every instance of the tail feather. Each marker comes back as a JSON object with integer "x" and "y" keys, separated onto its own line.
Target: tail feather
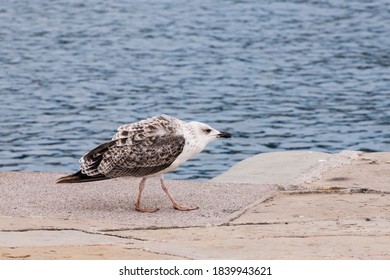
{"x": 80, "y": 178}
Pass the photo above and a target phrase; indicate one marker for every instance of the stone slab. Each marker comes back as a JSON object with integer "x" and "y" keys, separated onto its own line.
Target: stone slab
{"x": 39, "y": 238}
{"x": 290, "y": 168}
{"x": 92, "y": 252}
{"x": 369, "y": 171}
{"x": 335, "y": 207}
{"x": 369, "y": 208}
{"x": 272, "y": 168}
{"x": 256, "y": 242}
{"x": 34, "y": 195}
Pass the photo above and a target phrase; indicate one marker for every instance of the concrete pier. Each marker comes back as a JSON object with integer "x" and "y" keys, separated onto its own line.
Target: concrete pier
{"x": 284, "y": 205}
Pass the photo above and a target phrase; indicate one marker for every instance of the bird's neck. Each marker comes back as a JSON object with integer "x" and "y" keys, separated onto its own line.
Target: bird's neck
{"x": 193, "y": 141}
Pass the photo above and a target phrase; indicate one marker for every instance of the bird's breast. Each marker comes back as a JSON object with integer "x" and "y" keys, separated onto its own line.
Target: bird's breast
{"x": 189, "y": 150}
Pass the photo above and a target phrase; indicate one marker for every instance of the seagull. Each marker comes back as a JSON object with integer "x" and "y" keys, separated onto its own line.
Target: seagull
{"x": 148, "y": 148}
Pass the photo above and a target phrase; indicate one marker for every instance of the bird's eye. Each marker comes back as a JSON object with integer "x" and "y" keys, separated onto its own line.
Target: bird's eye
{"x": 207, "y": 130}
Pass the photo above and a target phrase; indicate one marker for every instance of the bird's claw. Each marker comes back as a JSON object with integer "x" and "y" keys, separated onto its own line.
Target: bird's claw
{"x": 145, "y": 210}
{"x": 184, "y": 208}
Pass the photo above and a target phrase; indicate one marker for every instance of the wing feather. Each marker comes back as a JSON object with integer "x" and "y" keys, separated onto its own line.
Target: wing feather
{"x": 142, "y": 159}
{"x": 138, "y": 149}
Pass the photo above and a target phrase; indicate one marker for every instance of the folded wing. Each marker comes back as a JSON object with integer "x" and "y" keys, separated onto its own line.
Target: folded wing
{"x": 137, "y": 150}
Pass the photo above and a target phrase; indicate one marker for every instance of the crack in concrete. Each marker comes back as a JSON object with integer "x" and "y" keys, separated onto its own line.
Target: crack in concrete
{"x": 149, "y": 228}
{"x": 351, "y": 190}
{"x": 159, "y": 253}
{"x": 245, "y": 210}
{"x": 337, "y": 221}
{"x": 126, "y": 237}
{"x": 69, "y": 229}
{"x": 43, "y": 229}
{"x": 324, "y": 235}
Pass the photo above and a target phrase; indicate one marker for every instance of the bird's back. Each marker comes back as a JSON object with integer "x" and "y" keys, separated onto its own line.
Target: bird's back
{"x": 138, "y": 150}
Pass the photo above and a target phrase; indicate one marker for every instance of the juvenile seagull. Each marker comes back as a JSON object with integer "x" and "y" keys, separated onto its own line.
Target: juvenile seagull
{"x": 145, "y": 149}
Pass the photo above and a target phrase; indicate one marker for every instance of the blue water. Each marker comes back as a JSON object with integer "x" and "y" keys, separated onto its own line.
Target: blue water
{"x": 278, "y": 75}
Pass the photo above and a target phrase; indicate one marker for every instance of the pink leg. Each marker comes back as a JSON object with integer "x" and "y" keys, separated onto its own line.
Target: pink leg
{"x": 175, "y": 204}
{"x": 137, "y": 204}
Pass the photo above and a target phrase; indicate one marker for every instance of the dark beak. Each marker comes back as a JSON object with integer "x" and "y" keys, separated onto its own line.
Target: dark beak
{"x": 224, "y": 135}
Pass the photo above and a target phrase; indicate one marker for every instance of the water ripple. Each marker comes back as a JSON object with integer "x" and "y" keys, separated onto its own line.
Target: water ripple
{"x": 279, "y": 75}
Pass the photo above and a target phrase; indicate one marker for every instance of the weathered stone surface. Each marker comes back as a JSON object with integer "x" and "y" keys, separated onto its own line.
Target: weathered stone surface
{"x": 272, "y": 168}
{"x": 325, "y": 207}
{"x": 37, "y": 195}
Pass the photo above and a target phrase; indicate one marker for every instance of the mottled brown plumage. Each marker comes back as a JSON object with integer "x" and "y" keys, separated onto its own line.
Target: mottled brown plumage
{"x": 147, "y": 148}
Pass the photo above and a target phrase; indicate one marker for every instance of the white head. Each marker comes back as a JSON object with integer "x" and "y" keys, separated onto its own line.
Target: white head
{"x": 206, "y": 134}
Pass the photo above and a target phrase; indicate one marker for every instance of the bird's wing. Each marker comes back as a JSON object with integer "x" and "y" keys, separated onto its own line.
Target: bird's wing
{"x": 142, "y": 158}
{"x": 138, "y": 149}
{"x": 89, "y": 163}
{"x": 161, "y": 125}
